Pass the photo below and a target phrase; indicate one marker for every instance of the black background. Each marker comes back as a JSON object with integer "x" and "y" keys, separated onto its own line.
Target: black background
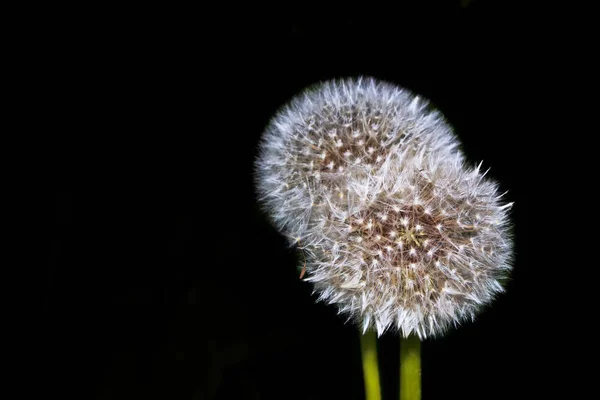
{"x": 165, "y": 280}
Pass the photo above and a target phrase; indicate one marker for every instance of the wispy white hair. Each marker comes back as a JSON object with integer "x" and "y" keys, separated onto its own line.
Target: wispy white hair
{"x": 369, "y": 181}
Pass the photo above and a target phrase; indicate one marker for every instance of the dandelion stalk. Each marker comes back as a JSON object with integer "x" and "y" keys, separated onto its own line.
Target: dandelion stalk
{"x": 410, "y": 368}
{"x": 368, "y": 345}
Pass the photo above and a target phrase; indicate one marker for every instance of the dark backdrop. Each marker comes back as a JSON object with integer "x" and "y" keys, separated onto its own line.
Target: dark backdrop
{"x": 165, "y": 281}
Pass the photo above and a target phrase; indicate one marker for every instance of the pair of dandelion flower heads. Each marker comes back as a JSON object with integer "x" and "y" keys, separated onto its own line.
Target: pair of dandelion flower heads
{"x": 397, "y": 231}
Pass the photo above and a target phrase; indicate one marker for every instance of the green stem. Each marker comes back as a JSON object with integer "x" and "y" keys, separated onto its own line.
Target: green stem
{"x": 368, "y": 345}
{"x": 410, "y": 368}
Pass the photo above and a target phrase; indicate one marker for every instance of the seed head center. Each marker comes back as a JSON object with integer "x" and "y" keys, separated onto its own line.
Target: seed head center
{"x": 411, "y": 235}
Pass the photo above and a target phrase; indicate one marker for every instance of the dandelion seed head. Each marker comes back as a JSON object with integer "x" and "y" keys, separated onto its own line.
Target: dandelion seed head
{"x": 417, "y": 241}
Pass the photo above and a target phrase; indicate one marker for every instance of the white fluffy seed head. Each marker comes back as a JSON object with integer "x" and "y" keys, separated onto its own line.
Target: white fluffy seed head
{"x": 370, "y": 183}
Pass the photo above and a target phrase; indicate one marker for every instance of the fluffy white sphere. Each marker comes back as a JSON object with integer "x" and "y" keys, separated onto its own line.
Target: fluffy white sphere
{"x": 368, "y": 180}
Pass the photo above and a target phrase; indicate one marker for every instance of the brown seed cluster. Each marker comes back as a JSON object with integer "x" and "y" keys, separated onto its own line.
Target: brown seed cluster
{"x": 400, "y": 244}
{"x": 333, "y": 143}
{"x": 408, "y": 246}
